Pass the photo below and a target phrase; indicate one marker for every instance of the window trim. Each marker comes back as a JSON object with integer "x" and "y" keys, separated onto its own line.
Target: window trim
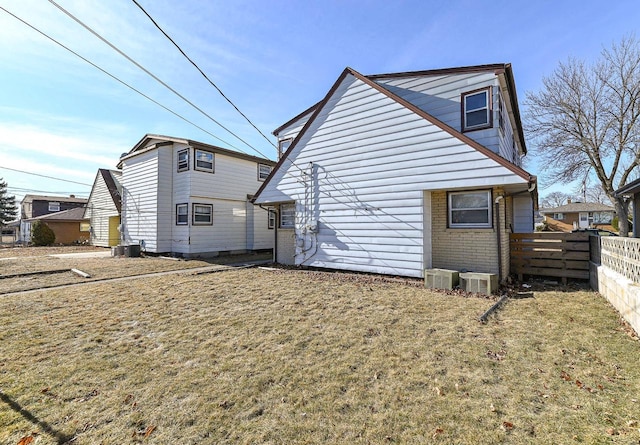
{"x": 560, "y": 218}
{"x": 281, "y": 143}
{"x": 489, "y": 106}
{"x": 186, "y": 167}
{"x": 282, "y": 213}
{"x": 56, "y": 206}
{"x": 267, "y": 166}
{"x": 488, "y": 225}
{"x": 186, "y": 222}
{"x": 194, "y": 213}
{"x": 202, "y": 169}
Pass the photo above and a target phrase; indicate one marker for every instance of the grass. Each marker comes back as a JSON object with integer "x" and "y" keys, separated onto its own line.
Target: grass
{"x": 256, "y": 356}
{"x": 26, "y": 260}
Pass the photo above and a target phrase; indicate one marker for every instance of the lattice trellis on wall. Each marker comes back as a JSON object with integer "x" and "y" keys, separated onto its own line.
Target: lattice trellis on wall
{"x": 622, "y": 255}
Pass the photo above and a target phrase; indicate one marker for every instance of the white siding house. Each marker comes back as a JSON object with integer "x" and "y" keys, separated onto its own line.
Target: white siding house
{"x": 192, "y": 199}
{"x": 397, "y": 173}
{"x": 103, "y": 208}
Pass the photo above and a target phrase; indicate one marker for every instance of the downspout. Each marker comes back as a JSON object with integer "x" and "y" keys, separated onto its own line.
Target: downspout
{"x": 499, "y": 241}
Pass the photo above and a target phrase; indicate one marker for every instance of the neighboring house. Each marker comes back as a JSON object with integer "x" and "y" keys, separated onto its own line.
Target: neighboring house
{"x": 398, "y": 173}
{"x": 33, "y": 206}
{"x": 69, "y": 226}
{"x": 103, "y": 208}
{"x": 579, "y": 215}
{"x": 192, "y": 199}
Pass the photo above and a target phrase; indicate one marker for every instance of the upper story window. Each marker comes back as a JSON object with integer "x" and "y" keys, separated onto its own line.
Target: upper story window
{"x": 470, "y": 209}
{"x": 204, "y": 161}
{"x": 264, "y": 171}
{"x": 287, "y": 216}
{"x": 183, "y": 160}
{"x": 283, "y": 146}
{"x": 54, "y": 206}
{"x": 501, "y": 114}
{"x": 476, "y": 110}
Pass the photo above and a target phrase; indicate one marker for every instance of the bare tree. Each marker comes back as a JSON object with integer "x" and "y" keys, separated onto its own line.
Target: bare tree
{"x": 555, "y": 199}
{"x": 585, "y": 122}
{"x": 596, "y": 193}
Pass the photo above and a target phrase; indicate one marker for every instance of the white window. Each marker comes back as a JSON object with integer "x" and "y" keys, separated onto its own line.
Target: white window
{"x": 264, "y": 171}
{"x": 202, "y": 214}
{"x": 183, "y": 160}
{"x": 182, "y": 214}
{"x": 470, "y": 209}
{"x": 476, "y": 113}
{"x": 558, "y": 216}
{"x": 204, "y": 161}
{"x": 283, "y": 146}
{"x": 287, "y": 216}
{"x": 602, "y": 217}
{"x": 271, "y": 223}
{"x": 54, "y": 206}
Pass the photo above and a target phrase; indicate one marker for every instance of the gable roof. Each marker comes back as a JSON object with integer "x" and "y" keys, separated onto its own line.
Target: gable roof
{"x": 368, "y": 80}
{"x": 76, "y": 214}
{"x": 112, "y": 183}
{"x": 575, "y": 207}
{"x": 144, "y": 146}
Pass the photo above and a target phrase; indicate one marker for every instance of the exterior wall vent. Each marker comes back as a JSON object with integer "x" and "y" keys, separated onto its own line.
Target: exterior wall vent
{"x": 481, "y": 283}
{"x": 440, "y": 278}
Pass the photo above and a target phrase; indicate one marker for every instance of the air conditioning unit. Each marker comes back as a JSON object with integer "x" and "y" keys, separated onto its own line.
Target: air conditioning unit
{"x": 440, "y": 278}
{"x": 481, "y": 283}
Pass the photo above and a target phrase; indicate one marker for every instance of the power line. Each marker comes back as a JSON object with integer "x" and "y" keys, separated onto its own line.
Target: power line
{"x": 203, "y": 74}
{"x": 44, "y": 176}
{"x": 117, "y": 79}
{"x": 153, "y": 76}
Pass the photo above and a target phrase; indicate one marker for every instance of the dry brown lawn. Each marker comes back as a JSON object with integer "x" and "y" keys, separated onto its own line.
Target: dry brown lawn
{"x": 38, "y": 259}
{"x": 284, "y": 357}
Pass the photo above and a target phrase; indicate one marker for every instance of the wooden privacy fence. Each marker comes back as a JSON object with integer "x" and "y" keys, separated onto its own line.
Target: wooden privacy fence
{"x": 550, "y": 254}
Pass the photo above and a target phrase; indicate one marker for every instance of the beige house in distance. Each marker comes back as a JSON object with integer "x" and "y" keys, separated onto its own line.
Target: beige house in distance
{"x": 579, "y": 215}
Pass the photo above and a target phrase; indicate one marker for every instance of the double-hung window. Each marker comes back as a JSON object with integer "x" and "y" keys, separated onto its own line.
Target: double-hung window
{"x": 476, "y": 110}
{"x": 271, "y": 222}
{"x": 204, "y": 161}
{"x": 183, "y": 160}
{"x": 471, "y": 209}
{"x": 202, "y": 214}
{"x": 54, "y": 206}
{"x": 263, "y": 171}
{"x": 182, "y": 214}
{"x": 287, "y": 216}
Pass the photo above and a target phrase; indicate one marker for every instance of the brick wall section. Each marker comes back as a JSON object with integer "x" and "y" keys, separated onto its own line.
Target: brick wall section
{"x": 469, "y": 249}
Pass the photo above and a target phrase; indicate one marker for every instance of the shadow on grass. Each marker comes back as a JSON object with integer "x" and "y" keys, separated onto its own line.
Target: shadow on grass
{"x": 48, "y": 429}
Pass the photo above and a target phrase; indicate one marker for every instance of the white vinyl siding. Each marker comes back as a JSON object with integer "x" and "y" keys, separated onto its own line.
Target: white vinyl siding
{"x": 440, "y": 96}
{"x": 140, "y": 200}
{"x": 368, "y": 161}
{"x": 100, "y": 208}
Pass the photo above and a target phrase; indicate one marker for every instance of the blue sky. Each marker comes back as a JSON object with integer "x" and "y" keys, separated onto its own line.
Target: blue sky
{"x": 60, "y": 117}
